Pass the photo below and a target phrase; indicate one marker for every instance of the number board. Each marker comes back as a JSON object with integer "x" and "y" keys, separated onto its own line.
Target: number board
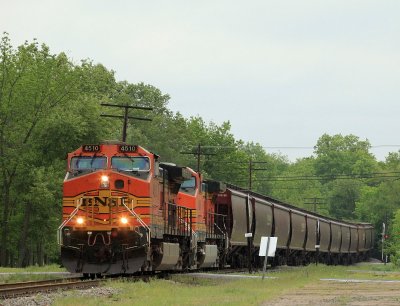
{"x": 127, "y": 149}
{"x": 91, "y": 148}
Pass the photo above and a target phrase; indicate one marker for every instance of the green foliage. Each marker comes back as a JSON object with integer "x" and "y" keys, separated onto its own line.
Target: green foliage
{"x": 48, "y": 107}
{"x": 393, "y": 244}
{"x": 298, "y": 185}
{"x": 337, "y": 155}
{"x": 341, "y": 157}
{"x": 380, "y": 199}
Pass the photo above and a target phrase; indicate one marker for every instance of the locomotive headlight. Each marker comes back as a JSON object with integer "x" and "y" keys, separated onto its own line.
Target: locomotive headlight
{"x": 105, "y": 181}
{"x": 124, "y": 220}
{"x": 80, "y": 220}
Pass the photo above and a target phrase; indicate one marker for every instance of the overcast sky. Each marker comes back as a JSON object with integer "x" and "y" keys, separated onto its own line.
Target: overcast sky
{"x": 282, "y": 72}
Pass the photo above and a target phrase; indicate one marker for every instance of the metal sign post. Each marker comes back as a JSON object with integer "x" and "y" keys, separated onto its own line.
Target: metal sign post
{"x": 267, "y": 248}
{"x": 265, "y": 260}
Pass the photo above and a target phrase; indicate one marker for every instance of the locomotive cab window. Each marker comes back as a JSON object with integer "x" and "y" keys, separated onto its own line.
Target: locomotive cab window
{"x": 128, "y": 163}
{"x": 189, "y": 186}
{"x": 80, "y": 165}
{"x": 138, "y": 166}
{"x": 88, "y": 163}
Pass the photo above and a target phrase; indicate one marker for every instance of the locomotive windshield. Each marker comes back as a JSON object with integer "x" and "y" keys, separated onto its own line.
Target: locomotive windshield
{"x": 88, "y": 162}
{"x": 189, "y": 186}
{"x": 130, "y": 163}
{"x": 190, "y": 183}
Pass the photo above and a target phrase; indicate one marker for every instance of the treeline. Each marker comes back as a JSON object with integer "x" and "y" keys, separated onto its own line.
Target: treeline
{"x": 50, "y": 105}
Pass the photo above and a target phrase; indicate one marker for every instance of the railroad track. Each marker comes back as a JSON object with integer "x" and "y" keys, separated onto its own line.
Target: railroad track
{"x": 11, "y": 290}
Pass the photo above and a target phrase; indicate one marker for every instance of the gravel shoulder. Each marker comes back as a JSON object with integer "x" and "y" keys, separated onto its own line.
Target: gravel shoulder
{"x": 45, "y": 299}
{"x": 341, "y": 293}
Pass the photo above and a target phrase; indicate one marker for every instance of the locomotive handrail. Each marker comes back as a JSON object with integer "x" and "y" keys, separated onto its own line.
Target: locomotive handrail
{"x": 139, "y": 219}
{"x": 59, "y": 235}
{"x": 178, "y": 217}
{"x": 213, "y": 223}
{"x": 222, "y": 232}
{"x": 188, "y": 226}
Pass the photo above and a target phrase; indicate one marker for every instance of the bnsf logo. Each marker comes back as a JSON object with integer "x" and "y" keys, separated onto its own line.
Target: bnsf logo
{"x": 101, "y": 201}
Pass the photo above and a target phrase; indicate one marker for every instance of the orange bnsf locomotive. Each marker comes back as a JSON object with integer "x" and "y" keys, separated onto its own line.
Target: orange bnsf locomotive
{"x": 125, "y": 212}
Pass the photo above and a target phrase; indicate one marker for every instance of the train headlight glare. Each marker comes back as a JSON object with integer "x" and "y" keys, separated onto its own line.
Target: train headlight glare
{"x": 105, "y": 181}
{"x": 124, "y": 220}
{"x": 80, "y": 220}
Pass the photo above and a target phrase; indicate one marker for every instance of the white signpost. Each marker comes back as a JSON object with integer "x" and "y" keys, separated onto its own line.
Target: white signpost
{"x": 267, "y": 249}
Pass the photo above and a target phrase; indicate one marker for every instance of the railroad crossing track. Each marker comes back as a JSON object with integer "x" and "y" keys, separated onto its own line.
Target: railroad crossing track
{"x": 27, "y": 288}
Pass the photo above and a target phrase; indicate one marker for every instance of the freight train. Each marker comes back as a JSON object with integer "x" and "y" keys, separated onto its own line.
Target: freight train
{"x": 124, "y": 211}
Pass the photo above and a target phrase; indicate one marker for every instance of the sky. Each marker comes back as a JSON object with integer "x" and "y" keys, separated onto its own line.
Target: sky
{"x": 283, "y": 72}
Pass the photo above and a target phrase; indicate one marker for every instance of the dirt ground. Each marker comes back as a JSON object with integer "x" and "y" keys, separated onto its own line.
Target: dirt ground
{"x": 336, "y": 293}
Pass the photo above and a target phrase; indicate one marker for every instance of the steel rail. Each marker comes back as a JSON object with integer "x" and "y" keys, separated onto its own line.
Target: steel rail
{"x": 10, "y": 290}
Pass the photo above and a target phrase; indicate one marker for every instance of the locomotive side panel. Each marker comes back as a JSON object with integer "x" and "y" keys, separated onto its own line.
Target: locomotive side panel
{"x": 263, "y": 213}
{"x": 190, "y": 196}
{"x": 282, "y": 225}
{"x": 299, "y": 227}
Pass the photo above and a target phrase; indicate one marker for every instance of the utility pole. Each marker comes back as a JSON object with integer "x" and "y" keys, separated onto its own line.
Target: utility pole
{"x": 315, "y": 201}
{"x": 198, "y": 153}
{"x": 252, "y": 169}
{"x": 384, "y": 237}
{"x": 125, "y": 116}
{"x": 250, "y": 173}
{"x": 249, "y": 234}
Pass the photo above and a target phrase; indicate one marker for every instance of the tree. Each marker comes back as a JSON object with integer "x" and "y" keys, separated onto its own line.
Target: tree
{"x": 47, "y": 105}
{"x": 339, "y": 159}
{"x": 380, "y": 199}
{"x": 298, "y": 185}
{"x": 393, "y": 243}
{"x": 342, "y": 155}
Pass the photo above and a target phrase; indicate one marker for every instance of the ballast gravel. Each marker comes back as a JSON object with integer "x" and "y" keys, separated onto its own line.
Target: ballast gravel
{"x": 44, "y": 299}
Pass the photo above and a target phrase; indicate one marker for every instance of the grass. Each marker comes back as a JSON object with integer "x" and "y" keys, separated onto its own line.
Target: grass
{"x": 16, "y": 278}
{"x": 48, "y": 268}
{"x": 389, "y": 267}
{"x": 189, "y": 290}
{"x": 22, "y": 274}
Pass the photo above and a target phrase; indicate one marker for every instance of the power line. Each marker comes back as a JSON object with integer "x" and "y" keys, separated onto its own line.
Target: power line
{"x": 304, "y": 179}
{"x": 315, "y": 201}
{"x": 311, "y": 148}
{"x": 198, "y": 153}
{"x": 323, "y": 179}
